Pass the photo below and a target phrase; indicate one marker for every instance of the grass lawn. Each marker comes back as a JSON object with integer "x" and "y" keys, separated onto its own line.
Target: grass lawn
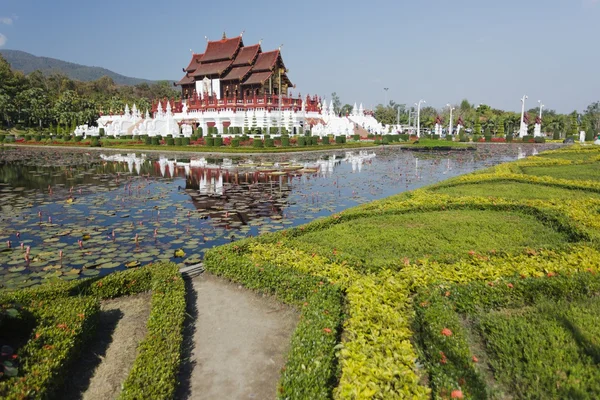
{"x": 443, "y": 235}
{"x": 574, "y": 172}
{"x": 517, "y": 191}
{"x": 548, "y": 351}
{"x": 571, "y": 155}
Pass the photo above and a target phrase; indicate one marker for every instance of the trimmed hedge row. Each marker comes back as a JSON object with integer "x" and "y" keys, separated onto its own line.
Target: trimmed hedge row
{"x": 62, "y": 327}
{"x": 443, "y": 339}
{"x": 154, "y": 374}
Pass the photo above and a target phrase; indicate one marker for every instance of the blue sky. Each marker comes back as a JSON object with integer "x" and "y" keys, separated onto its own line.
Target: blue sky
{"x": 438, "y": 50}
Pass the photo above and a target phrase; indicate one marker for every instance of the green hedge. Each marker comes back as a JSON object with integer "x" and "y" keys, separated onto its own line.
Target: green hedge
{"x": 527, "y": 138}
{"x": 269, "y": 142}
{"x": 314, "y": 140}
{"x": 178, "y": 141}
{"x": 340, "y": 139}
{"x": 155, "y": 370}
{"x": 210, "y": 141}
{"x": 218, "y": 141}
{"x": 285, "y": 141}
{"x": 539, "y": 139}
{"x": 235, "y": 142}
{"x": 356, "y": 138}
{"x": 448, "y": 358}
{"x": 185, "y": 141}
{"x": 257, "y": 142}
{"x": 170, "y": 141}
{"x": 154, "y": 374}
{"x": 301, "y": 141}
{"x": 155, "y": 141}
{"x": 62, "y": 327}
{"x": 325, "y": 140}
{"x": 95, "y": 142}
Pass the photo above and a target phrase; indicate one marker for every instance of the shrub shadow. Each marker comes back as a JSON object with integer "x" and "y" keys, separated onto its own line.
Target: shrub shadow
{"x": 85, "y": 365}
{"x": 187, "y": 347}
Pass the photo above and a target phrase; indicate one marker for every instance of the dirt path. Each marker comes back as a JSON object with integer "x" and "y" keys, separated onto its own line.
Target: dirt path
{"x": 240, "y": 340}
{"x": 105, "y": 364}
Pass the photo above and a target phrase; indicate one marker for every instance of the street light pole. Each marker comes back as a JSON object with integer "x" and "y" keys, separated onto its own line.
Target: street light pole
{"x": 419, "y": 117}
{"x": 386, "y": 90}
{"x": 541, "y": 106}
{"x": 522, "y": 115}
{"x": 450, "y": 127}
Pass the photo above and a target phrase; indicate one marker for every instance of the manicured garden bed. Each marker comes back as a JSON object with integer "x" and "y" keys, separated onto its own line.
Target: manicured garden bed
{"x": 65, "y": 314}
{"x": 368, "y": 252}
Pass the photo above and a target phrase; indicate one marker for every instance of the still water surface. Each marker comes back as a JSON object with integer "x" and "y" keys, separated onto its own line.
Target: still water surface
{"x": 68, "y": 214}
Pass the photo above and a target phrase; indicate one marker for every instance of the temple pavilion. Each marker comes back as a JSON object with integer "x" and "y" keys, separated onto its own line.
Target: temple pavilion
{"x": 231, "y": 85}
{"x": 230, "y": 70}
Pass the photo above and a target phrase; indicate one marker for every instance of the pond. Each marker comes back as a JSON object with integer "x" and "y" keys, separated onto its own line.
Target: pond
{"x": 68, "y": 214}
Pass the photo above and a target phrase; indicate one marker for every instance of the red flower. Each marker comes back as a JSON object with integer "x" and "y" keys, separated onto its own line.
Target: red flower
{"x": 551, "y": 274}
{"x": 456, "y": 394}
{"x": 326, "y": 330}
{"x": 510, "y": 285}
{"x": 447, "y": 294}
{"x": 443, "y": 360}
{"x": 490, "y": 283}
{"x": 475, "y": 359}
{"x": 446, "y": 332}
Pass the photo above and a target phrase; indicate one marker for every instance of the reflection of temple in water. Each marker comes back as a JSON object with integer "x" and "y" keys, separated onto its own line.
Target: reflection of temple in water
{"x": 240, "y": 196}
{"x": 132, "y": 160}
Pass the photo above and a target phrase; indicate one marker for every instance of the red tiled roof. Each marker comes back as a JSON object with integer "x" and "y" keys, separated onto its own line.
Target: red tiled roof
{"x": 211, "y": 68}
{"x": 186, "y": 80}
{"x": 222, "y": 49}
{"x": 237, "y": 73}
{"x": 266, "y": 61}
{"x": 246, "y": 55}
{"x": 257, "y": 77}
{"x": 195, "y": 61}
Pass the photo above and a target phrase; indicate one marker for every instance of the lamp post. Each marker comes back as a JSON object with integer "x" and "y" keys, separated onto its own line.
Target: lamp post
{"x": 398, "y": 117}
{"x": 419, "y": 117}
{"x": 386, "y": 90}
{"x": 541, "y": 106}
{"x": 450, "y": 127}
{"x": 522, "y": 114}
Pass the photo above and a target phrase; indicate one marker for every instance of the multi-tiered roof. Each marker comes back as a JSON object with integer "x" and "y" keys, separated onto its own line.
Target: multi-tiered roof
{"x": 240, "y": 69}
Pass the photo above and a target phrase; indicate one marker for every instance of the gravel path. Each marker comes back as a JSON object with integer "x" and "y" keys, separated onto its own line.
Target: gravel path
{"x": 239, "y": 342}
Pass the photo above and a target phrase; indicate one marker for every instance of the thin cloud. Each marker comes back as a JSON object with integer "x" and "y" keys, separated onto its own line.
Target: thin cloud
{"x": 590, "y": 3}
{"x": 3, "y": 40}
{"x": 6, "y": 20}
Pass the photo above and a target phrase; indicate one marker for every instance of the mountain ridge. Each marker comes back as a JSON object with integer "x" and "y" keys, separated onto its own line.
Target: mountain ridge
{"x": 27, "y": 63}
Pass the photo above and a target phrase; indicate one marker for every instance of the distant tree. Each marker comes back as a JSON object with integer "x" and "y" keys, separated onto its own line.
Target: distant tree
{"x": 592, "y": 113}
{"x": 477, "y": 126}
{"x": 500, "y": 131}
{"x": 337, "y": 104}
{"x": 346, "y": 109}
{"x": 573, "y": 127}
{"x": 465, "y": 106}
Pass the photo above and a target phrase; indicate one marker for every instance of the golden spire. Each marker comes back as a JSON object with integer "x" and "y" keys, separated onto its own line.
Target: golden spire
{"x": 224, "y": 36}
